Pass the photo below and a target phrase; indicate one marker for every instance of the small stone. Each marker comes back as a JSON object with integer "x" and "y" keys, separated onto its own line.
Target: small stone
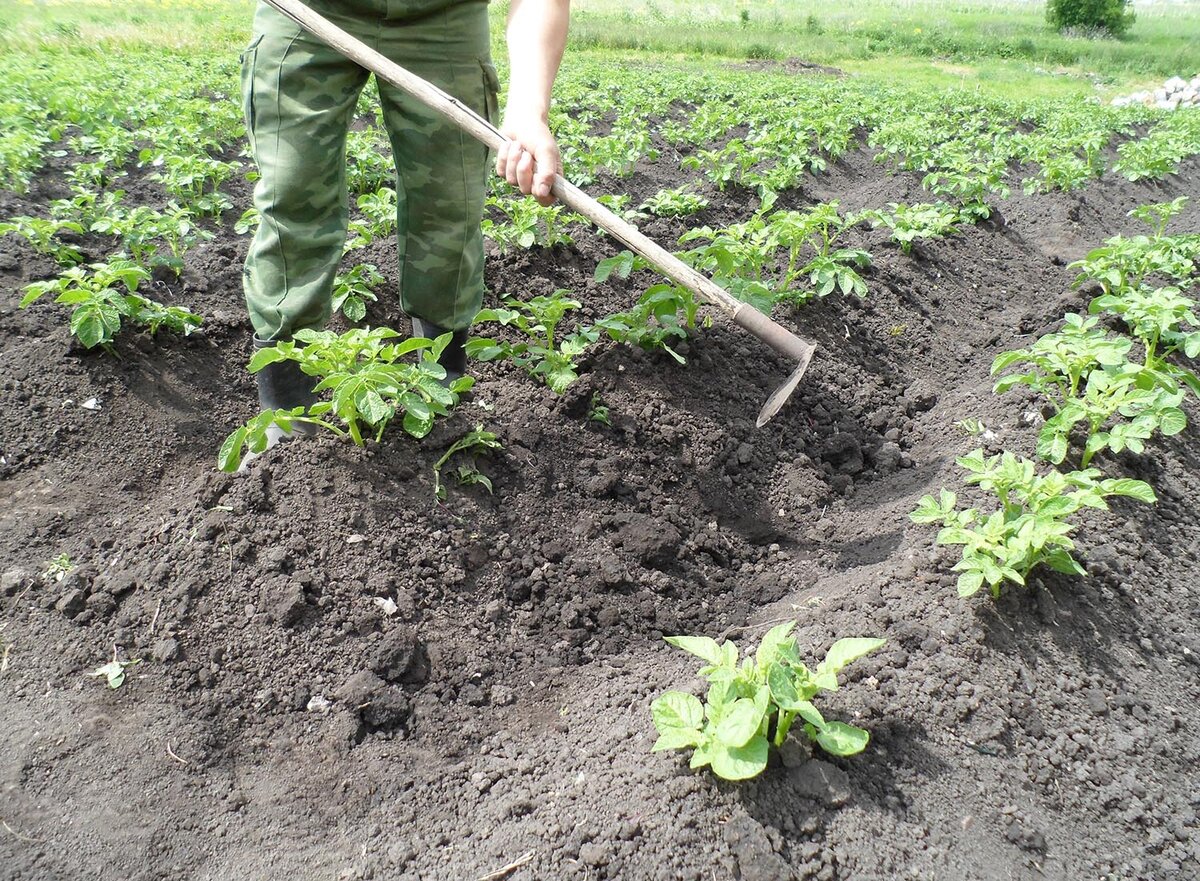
{"x": 284, "y": 601}
{"x": 1097, "y": 702}
{"x": 120, "y": 584}
{"x": 1024, "y": 838}
{"x": 165, "y": 650}
{"x": 13, "y": 581}
{"x": 821, "y": 781}
{"x": 358, "y": 688}
{"x": 844, "y": 452}
{"x": 794, "y": 752}
{"x": 71, "y": 602}
{"x": 888, "y": 457}
{"x": 745, "y": 454}
{"x": 387, "y": 605}
{"x": 630, "y": 829}
{"x": 400, "y": 657}
{"x": 608, "y": 617}
{"x": 102, "y": 603}
{"x": 595, "y": 853}
{"x": 653, "y": 541}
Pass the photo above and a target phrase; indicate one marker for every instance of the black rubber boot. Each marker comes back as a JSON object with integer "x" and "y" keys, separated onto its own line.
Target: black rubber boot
{"x": 454, "y": 356}
{"x": 282, "y": 386}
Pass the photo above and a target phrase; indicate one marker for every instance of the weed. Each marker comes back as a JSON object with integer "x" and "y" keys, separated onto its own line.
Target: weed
{"x": 474, "y": 441}
{"x": 114, "y": 672}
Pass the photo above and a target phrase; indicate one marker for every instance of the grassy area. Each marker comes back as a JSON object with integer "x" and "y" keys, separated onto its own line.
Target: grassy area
{"x": 998, "y": 47}
{"x": 1000, "y": 44}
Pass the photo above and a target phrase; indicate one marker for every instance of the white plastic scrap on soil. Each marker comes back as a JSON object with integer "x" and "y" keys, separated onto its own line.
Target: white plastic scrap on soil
{"x": 1173, "y": 94}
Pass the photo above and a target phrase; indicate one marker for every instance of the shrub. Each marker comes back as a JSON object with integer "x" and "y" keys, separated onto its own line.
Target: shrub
{"x": 1113, "y": 16}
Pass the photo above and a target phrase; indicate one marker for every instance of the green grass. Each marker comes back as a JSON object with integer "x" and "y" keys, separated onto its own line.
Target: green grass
{"x": 999, "y": 47}
{"x": 1006, "y": 45}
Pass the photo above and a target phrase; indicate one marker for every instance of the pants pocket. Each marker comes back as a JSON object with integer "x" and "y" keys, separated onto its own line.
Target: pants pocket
{"x": 248, "y": 58}
{"x": 491, "y": 91}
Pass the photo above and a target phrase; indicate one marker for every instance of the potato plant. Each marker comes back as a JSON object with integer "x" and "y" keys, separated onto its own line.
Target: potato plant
{"x": 910, "y": 223}
{"x": 528, "y": 224}
{"x": 1030, "y": 525}
{"x": 193, "y": 179}
{"x": 379, "y": 218}
{"x": 663, "y": 313}
{"x": 354, "y": 289}
{"x": 830, "y": 269}
{"x": 542, "y": 353}
{"x": 724, "y": 165}
{"x": 753, "y": 705}
{"x": 679, "y": 202}
{"x": 1163, "y": 320}
{"x": 367, "y": 383}
{"x": 102, "y": 296}
{"x": 1087, "y": 377}
{"x": 42, "y": 234}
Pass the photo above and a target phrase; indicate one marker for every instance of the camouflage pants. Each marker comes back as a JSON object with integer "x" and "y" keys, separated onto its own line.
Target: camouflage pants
{"x": 299, "y": 98}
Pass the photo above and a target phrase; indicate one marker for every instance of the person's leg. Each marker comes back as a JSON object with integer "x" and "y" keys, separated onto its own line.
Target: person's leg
{"x": 441, "y": 171}
{"x": 299, "y": 96}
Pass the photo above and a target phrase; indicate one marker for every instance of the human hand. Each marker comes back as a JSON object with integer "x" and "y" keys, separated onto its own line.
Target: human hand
{"x": 529, "y": 160}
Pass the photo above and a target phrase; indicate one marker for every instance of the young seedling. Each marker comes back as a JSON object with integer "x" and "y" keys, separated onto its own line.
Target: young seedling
{"x": 58, "y": 568}
{"x": 193, "y": 178}
{"x": 740, "y": 257}
{"x": 1165, "y": 322}
{"x": 248, "y": 222}
{"x": 99, "y": 306}
{"x": 1128, "y": 392}
{"x": 1030, "y": 527}
{"x": 598, "y": 410}
{"x": 114, "y": 671}
{"x": 352, "y": 290}
{"x": 475, "y": 441}
{"x": 368, "y": 387}
{"x": 1058, "y": 364}
{"x": 725, "y": 165}
{"x": 830, "y": 269}
{"x": 540, "y": 354}
{"x": 752, "y": 706}
{"x": 529, "y": 224}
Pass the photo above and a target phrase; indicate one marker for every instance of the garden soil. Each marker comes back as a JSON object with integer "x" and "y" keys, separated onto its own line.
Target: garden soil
{"x": 341, "y": 678}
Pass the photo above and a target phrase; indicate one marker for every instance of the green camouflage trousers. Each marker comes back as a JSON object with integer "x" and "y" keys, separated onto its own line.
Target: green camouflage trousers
{"x": 299, "y": 97}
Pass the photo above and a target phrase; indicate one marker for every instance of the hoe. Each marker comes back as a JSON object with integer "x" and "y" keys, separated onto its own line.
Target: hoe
{"x": 747, "y": 317}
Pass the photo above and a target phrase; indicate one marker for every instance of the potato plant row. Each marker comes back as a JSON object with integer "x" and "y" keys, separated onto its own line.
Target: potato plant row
{"x": 1103, "y": 391}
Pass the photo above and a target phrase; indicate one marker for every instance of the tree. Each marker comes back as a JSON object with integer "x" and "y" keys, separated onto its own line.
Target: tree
{"x": 1114, "y": 16}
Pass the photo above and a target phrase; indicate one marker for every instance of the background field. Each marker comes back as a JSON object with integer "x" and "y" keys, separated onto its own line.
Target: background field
{"x": 997, "y": 46}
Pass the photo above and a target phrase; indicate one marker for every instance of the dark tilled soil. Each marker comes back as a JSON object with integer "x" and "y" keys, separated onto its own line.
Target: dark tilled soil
{"x": 287, "y": 720}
